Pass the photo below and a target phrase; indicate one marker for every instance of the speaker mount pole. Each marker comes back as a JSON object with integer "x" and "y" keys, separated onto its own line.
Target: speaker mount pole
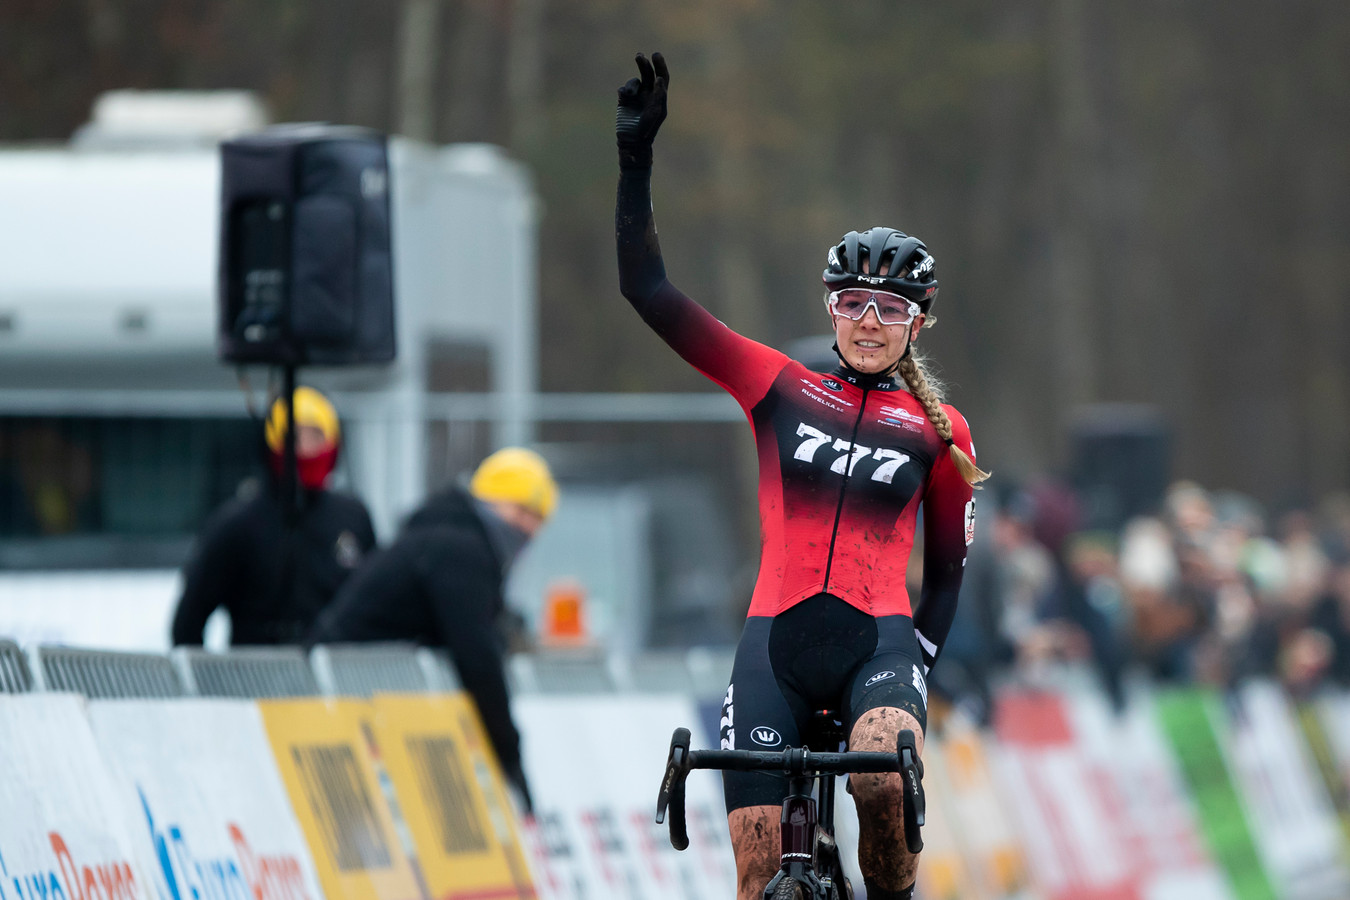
{"x": 290, "y": 465}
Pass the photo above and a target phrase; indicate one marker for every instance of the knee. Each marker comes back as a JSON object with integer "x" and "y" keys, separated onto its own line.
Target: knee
{"x": 876, "y": 731}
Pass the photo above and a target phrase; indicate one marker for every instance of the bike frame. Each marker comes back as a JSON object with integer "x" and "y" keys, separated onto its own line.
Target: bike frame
{"x": 803, "y": 822}
{"x": 808, "y": 849}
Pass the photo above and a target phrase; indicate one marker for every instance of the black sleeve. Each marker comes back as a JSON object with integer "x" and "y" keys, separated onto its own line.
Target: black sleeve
{"x": 948, "y": 529}
{"x": 642, "y": 271}
{"x": 208, "y": 578}
{"x": 743, "y": 367}
{"x": 465, "y": 601}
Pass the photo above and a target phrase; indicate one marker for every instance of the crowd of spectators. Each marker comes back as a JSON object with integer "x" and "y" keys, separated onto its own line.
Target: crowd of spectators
{"x": 1210, "y": 590}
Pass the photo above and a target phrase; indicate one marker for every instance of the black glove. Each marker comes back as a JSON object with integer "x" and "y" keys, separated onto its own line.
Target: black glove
{"x": 516, "y": 775}
{"x": 642, "y": 109}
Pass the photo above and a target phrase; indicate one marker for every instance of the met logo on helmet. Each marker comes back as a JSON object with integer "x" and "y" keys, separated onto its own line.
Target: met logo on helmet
{"x": 765, "y": 736}
{"x": 871, "y": 279}
{"x": 924, "y": 267}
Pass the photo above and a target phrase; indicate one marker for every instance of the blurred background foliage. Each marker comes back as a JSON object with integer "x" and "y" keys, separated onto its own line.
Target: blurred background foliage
{"x": 1144, "y": 202}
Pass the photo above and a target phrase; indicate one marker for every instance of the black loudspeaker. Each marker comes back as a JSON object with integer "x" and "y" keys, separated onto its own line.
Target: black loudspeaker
{"x": 1121, "y": 463}
{"x": 306, "y": 271}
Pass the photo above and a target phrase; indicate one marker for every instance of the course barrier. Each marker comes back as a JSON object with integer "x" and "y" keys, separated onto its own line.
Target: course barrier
{"x": 362, "y": 670}
{"x": 250, "y": 672}
{"x": 105, "y": 673}
{"x": 379, "y": 784}
{"x": 14, "y": 675}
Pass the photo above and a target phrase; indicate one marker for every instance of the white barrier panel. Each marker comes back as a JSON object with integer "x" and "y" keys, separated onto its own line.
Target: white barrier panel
{"x": 595, "y": 765}
{"x": 1292, "y": 817}
{"x": 1086, "y": 791}
{"x": 943, "y": 874}
{"x": 62, "y": 833}
{"x": 1141, "y": 784}
{"x": 205, "y": 804}
{"x": 1333, "y": 711}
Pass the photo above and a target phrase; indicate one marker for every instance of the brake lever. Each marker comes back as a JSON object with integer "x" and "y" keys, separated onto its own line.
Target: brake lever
{"x": 913, "y": 805}
{"x": 677, "y": 767}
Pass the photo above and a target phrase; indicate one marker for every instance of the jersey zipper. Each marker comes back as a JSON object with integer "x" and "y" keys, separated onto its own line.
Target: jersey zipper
{"x": 843, "y": 488}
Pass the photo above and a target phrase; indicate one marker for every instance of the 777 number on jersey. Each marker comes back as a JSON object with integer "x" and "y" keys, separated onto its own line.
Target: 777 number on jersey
{"x": 850, "y": 453}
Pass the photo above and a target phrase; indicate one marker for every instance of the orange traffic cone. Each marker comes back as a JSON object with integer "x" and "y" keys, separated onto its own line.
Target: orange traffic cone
{"x": 565, "y": 622}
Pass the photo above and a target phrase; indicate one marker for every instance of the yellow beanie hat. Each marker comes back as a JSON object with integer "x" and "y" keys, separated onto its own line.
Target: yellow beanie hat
{"x": 311, "y": 408}
{"x": 516, "y": 475}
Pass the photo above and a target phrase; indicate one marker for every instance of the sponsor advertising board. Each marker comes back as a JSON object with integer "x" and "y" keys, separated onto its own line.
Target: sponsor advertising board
{"x": 942, "y": 873}
{"x": 595, "y": 766}
{"x": 62, "y": 829}
{"x": 324, "y": 751}
{"x": 1292, "y": 818}
{"x": 203, "y": 800}
{"x": 451, "y": 796}
{"x": 1085, "y": 789}
{"x": 964, "y": 785}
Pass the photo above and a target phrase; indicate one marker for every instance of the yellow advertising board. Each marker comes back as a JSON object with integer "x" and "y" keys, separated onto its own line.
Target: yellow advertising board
{"x": 942, "y": 874}
{"x": 451, "y": 796}
{"x": 331, "y": 773}
{"x": 989, "y": 843}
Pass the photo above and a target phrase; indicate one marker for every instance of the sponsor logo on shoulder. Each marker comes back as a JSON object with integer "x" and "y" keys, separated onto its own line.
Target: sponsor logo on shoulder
{"x": 832, "y": 384}
{"x": 970, "y": 521}
{"x": 824, "y": 398}
{"x": 880, "y": 676}
{"x": 901, "y": 413}
{"x": 901, "y": 418}
{"x": 766, "y": 737}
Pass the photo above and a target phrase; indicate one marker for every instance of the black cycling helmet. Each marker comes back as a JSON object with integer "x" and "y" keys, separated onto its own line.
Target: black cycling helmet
{"x": 883, "y": 248}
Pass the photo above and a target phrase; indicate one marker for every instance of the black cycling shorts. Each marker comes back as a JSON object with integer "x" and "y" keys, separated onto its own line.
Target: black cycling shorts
{"x": 820, "y": 654}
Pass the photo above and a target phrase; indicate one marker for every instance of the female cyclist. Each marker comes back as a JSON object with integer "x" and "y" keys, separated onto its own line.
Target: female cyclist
{"x": 845, "y": 461}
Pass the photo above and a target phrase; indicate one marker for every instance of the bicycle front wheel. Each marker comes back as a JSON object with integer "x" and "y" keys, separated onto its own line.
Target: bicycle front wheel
{"x": 789, "y": 889}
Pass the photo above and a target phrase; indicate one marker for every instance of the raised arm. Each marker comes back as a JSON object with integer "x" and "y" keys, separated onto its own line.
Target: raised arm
{"x": 642, "y": 109}
{"x": 742, "y": 366}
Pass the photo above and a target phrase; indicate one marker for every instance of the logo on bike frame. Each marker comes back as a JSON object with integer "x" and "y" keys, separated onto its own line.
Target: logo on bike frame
{"x": 765, "y": 736}
{"x": 880, "y": 676}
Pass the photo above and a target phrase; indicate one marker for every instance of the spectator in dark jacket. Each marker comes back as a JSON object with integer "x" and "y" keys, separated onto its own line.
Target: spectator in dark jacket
{"x": 271, "y": 574}
{"x": 440, "y": 584}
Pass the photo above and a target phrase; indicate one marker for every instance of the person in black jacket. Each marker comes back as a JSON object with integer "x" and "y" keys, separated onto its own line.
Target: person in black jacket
{"x": 274, "y": 576}
{"x": 440, "y": 584}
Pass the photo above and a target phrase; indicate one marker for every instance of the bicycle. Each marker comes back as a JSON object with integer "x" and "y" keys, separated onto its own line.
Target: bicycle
{"x": 810, "y": 864}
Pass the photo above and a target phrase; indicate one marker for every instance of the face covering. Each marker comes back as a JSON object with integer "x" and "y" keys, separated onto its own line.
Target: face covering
{"x": 313, "y": 470}
{"x": 505, "y": 538}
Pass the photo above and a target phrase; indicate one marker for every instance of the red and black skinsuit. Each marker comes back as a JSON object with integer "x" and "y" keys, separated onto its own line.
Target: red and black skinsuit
{"x": 846, "y": 460}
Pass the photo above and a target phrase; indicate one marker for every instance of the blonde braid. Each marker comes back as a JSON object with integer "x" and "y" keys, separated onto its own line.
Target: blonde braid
{"x": 911, "y": 369}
